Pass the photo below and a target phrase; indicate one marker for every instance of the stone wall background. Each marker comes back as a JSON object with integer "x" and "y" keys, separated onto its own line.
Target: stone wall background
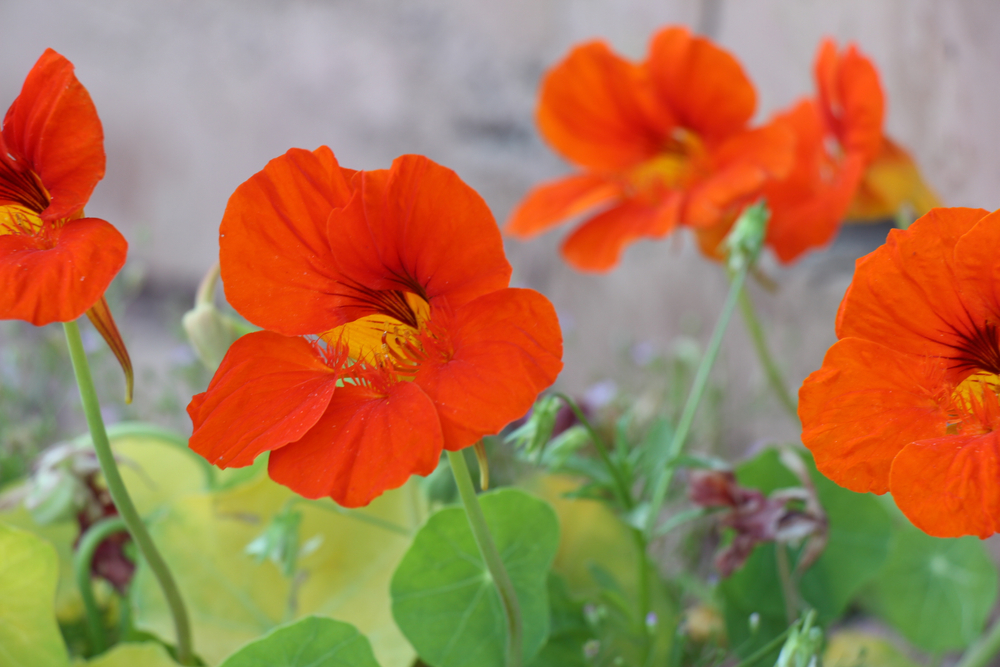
{"x": 196, "y": 95}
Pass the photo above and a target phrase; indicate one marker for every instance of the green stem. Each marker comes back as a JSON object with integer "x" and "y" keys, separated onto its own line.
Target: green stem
{"x": 770, "y": 367}
{"x": 625, "y": 498}
{"x": 767, "y": 648}
{"x": 621, "y": 487}
{"x": 694, "y": 397}
{"x": 119, "y": 494}
{"x": 981, "y": 653}
{"x": 488, "y": 550}
{"x": 787, "y": 585}
{"x": 82, "y": 560}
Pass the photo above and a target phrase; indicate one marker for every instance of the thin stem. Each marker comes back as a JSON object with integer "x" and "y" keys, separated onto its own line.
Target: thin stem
{"x": 767, "y": 648}
{"x": 119, "y": 494}
{"x": 694, "y": 397}
{"x": 787, "y": 585}
{"x": 82, "y": 560}
{"x": 488, "y": 550}
{"x": 621, "y": 487}
{"x": 981, "y": 653}
{"x": 770, "y": 367}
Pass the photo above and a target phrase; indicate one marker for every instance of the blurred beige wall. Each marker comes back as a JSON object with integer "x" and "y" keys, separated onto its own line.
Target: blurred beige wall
{"x": 196, "y": 95}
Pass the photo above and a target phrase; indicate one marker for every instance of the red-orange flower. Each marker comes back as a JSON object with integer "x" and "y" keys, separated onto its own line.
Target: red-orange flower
{"x": 907, "y": 400}
{"x": 390, "y": 329}
{"x": 55, "y": 264}
{"x": 838, "y": 135}
{"x": 662, "y": 143}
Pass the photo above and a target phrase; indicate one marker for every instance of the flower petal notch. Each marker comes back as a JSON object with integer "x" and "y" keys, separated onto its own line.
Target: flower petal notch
{"x": 908, "y": 400}
{"x": 663, "y": 143}
{"x": 391, "y": 333}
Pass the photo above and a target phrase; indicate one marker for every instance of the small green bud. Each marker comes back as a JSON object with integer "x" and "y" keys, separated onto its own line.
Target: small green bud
{"x": 746, "y": 239}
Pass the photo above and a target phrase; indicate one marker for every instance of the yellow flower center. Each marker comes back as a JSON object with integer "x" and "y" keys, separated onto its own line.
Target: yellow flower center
{"x": 382, "y": 340}
{"x": 975, "y": 404}
{"x": 15, "y": 219}
{"x": 681, "y": 162}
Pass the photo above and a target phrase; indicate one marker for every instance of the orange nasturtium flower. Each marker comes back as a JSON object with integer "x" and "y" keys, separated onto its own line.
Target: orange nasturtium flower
{"x": 390, "y": 329}
{"x": 55, "y": 264}
{"x": 662, "y": 143}
{"x": 908, "y": 400}
{"x": 845, "y": 167}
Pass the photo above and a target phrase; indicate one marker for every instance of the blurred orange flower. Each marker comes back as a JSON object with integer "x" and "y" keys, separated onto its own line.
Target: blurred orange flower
{"x": 390, "y": 329}
{"x": 907, "y": 400}
{"x": 844, "y": 166}
{"x": 662, "y": 143}
{"x": 55, "y": 264}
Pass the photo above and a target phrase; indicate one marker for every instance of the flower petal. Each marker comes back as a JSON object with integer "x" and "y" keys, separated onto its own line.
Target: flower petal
{"x": 598, "y": 243}
{"x": 54, "y": 128}
{"x": 977, "y": 269}
{"x": 363, "y": 444}
{"x": 851, "y": 98}
{"x": 703, "y": 85}
{"x": 277, "y": 266}
{"x": 44, "y": 284}
{"x": 507, "y": 347}
{"x": 419, "y": 228}
{"x": 598, "y": 110}
{"x": 269, "y": 391}
{"x": 891, "y": 182}
{"x": 948, "y": 486}
{"x": 906, "y": 291}
{"x": 866, "y": 404}
{"x": 549, "y": 204}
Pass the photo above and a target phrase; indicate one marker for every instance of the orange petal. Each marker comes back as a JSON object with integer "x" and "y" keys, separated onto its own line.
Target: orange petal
{"x": 948, "y": 486}
{"x": 598, "y": 110}
{"x": 269, "y": 391}
{"x": 419, "y": 228}
{"x": 53, "y": 127}
{"x": 806, "y": 215}
{"x": 277, "y": 266}
{"x": 100, "y": 316}
{"x": 851, "y": 98}
{"x": 363, "y": 444}
{"x": 551, "y": 203}
{"x": 865, "y": 404}
{"x": 507, "y": 347}
{"x": 598, "y": 243}
{"x": 977, "y": 270}
{"x": 890, "y": 183}
{"x": 703, "y": 85}
{"x": 44, "y": 284}
{"x": 905, "y": 293}
{"x": 742, "y": 165}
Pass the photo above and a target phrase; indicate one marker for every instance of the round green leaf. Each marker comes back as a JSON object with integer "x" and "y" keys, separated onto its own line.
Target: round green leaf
{"x": 233, "y": 599}
{"x": 148, "y": 654}
{"x": 29, "y": 635}
{"x": 443, "y": 598}
{"x": 310, "y": 642}
{"x": 938, "y": 593}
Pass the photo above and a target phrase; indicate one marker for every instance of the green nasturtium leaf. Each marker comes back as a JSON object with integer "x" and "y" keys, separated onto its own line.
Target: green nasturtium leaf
{"x": 443, "y": 598}
{"x": 148, "y": 654}
{"x": 233, "y": 599}
{"x": 568, "y": 631}
{"x": 849, "y": 648}
{"x": 937, "y": 592}
{"x": 857, "y": 547}
{"x": 29, "y": 634}
{"x": 313, "y": 641}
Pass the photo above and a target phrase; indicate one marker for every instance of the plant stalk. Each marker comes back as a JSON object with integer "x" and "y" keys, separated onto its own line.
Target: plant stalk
{"x": 82, "y": 560}
{"x": 694, "y": 397}
{"x": 488, "y": 550}
{"x": 982, "y": 652}
{"x": 119, "y": 494}
{"x": 770, "y": 367}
